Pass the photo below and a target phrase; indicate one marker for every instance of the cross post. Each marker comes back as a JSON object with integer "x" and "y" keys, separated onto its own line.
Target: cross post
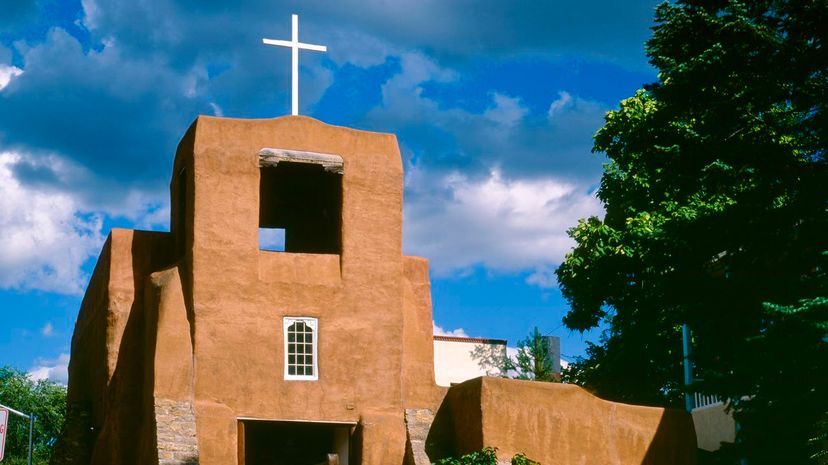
{"x": 295, "y": 45}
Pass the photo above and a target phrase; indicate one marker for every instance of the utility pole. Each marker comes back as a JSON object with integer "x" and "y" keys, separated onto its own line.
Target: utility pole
{"x": 688, "y": 368}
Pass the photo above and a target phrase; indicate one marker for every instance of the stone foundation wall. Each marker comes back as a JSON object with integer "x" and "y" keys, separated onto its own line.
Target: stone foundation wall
{"x": 417, "y": 424}
{"x": 175, "y": 432}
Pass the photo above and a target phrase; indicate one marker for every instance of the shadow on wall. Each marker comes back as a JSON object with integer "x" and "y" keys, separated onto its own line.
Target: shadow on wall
{"x": 87, "y": 373}
{"x": 441, "y": 442}
{"x": 130, "y": 393}
{"x": 184, "y": 461}
{"x": 490, "y": 358}
{"x": 105, "y": 417}
{"x": 667, "y": 447}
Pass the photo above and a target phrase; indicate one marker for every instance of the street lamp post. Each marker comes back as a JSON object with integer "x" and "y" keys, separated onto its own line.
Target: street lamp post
{"x": 29, "y": 417}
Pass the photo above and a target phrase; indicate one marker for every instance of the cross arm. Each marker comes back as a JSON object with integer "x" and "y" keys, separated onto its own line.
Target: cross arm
{"x": 315, "y": 48}
{"x": 291, "y": 44}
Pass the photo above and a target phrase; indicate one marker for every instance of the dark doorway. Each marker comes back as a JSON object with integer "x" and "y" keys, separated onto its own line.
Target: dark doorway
{"x": 292, "y": 442}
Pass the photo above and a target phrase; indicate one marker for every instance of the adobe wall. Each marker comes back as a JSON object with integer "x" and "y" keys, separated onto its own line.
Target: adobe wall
{"x": 558, "y": 423}
{"x": 88, "y": 373}
{"x": 420, "y": 390}
{"x": 169, "y": 425}
{"x": 106, "y": 373}
{"x": 241, "y": 294}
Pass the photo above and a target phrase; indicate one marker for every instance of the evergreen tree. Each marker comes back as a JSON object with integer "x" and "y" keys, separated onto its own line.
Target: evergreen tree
{"x": 532, "y": 360}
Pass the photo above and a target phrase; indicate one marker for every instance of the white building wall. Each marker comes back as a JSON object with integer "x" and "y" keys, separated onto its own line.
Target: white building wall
{"x": 457, "y": 359}
{"x": 714, "y": 425}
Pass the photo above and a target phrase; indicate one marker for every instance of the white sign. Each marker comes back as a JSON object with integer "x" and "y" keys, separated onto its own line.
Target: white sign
{"x": 4, "y": 423}
{"x": 295, "y": 46}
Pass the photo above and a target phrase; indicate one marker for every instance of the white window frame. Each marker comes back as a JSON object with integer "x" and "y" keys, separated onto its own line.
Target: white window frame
{"x": 313, "y": 324}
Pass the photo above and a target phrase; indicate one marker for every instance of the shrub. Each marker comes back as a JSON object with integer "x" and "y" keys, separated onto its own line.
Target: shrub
{"x": 521, "y": 459}
{"x": 486, "y": 456}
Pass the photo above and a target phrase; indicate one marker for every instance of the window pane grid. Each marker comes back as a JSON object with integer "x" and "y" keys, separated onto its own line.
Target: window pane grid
{"x": 299, "y": 349}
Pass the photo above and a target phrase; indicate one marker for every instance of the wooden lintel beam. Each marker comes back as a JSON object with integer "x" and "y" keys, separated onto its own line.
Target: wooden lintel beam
{"x": 329, "y": 162}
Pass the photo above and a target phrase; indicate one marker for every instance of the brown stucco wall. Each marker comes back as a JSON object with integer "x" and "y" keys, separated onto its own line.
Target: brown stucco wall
{"x": 88, "y": 374}
{"x": 169, "y": 426}
{"x": 106, "y": 370}
{"x": 241, "y": 294}
{"x": 169, "y": 346}
{"x": 420, "y": 390}
{"x": 559, "y": 424}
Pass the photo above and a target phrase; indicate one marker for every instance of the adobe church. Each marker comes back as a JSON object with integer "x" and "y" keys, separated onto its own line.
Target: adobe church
{"x": 196, "y": 346}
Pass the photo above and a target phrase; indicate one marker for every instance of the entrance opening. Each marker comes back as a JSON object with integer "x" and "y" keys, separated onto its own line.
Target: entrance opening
{"x": 305, "y": 201}
{"x": 293, "y": 443}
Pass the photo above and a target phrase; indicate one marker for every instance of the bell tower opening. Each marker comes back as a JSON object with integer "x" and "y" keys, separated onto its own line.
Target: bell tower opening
{"x": 300, "y": 202}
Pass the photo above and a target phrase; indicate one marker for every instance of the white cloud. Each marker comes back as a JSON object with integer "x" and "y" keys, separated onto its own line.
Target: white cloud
{"x": 54, "y": 369}
{"x": 402, "y": 102}
{"x": 91, "y": 14}
{"x": 439, "y": 331}
{"x": 47, "y": 237}
{"x": 507, "y": 111}
{"x": 153, "y": 217}
{"x": 512, "y": 218}
{"x": 362, "y": 50}
{"x": 145, "y": 209}
{"x": 52, "y": 229}
{"x": 572, "y": 112}
{"x": 564, "y": 100}
{"x": 401, "y": 95}
{"x": 7, "y": 73}
{"x": 217, "y": 111}
{"x": 502, "y": 224}
{"x": 506, "y": 134}
{"x": 315, "y": 81}
{"x": 47, "y": 330}
{"x": 543, "y": 277}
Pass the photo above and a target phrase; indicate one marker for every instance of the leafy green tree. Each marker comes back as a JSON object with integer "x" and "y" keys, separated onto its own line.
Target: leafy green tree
{"x": 46, "y": 400}
{"x": 716, "y": 196}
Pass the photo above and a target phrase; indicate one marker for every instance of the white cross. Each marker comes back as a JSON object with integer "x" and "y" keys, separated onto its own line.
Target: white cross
{"x": 295, "y": 45}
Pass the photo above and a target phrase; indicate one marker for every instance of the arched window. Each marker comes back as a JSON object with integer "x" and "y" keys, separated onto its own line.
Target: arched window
{"x": 300, "y": 349}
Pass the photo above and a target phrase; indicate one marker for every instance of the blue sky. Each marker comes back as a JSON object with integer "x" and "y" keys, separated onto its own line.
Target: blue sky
{"x": 494, "y": 104}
